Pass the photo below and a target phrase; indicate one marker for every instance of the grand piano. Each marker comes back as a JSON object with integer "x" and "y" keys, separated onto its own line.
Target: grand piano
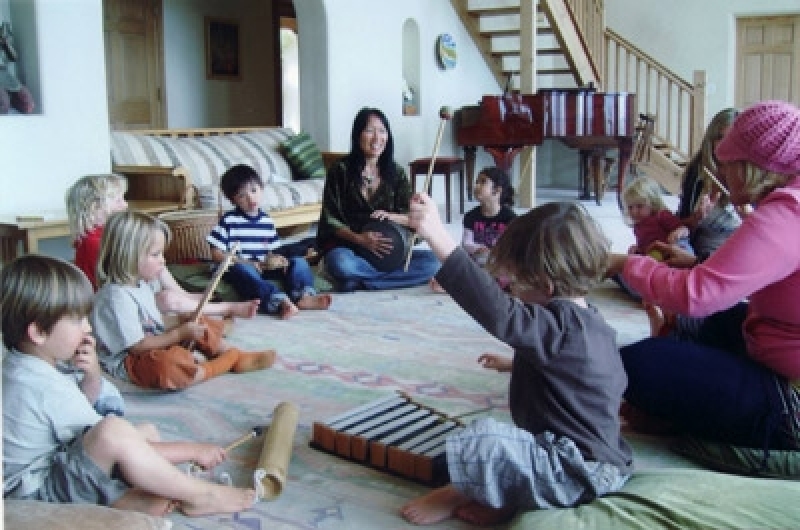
{"x": 591, "y": 122}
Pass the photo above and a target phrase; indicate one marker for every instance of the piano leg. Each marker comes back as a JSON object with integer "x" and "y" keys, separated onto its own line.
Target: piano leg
{"x": 583, "y": 185}
{"x": 597, "y": 158}
{"x": 469, "y": 161}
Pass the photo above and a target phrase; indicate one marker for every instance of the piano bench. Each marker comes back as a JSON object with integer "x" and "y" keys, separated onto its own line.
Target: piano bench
{"x": 443, "y": 165}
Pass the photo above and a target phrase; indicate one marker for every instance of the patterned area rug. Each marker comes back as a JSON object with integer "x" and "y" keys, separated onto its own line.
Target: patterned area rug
{"x": 368, "y": 345}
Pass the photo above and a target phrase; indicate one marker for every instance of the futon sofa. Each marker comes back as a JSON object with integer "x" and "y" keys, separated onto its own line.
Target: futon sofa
{"x": 171, "y": 166}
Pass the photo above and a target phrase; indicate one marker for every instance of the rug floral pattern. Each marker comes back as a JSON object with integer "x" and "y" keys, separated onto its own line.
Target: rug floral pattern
{"x": 368, "y": 345}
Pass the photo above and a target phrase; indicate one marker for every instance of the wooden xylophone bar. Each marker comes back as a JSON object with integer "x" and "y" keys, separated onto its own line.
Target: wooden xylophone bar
{"x": 392, "y": 434}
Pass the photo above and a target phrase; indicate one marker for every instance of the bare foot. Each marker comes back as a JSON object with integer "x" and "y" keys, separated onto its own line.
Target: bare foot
{"x": 319, "y": 301}
{"x": 480, "y": 514}
{"x": 136, "y": 500}
{"x": 252, "y": 361}
{"x": 438, "y": 505}
{"x": 435, "y": 287}
{"x": 288, "y": 310}
{"x": 245, "y": 309}
{"x": 218, "y": 499}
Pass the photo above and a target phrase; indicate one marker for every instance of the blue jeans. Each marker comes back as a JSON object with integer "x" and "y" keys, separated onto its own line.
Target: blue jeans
{"x": 250, "y": 284}
{"x": 710, "y": 388}
{"x": 350, "y": 271}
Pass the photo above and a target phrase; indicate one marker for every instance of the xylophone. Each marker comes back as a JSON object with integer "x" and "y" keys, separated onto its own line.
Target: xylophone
{"x": 393, "y": 434}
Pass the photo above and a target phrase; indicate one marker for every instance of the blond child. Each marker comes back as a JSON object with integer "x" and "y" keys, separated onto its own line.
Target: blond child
{"x": 90, "y": 200}
{"x": 133, "y": 342}
{"x": 565, "y": 447}
{"x": 652, "y": 221}
{"x": 56, "y": 448}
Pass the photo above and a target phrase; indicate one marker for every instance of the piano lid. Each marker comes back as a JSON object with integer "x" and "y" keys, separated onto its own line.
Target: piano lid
{"x": 508, "y": 120}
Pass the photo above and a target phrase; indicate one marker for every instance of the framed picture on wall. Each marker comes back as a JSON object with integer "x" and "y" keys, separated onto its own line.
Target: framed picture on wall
{"x": 223, "y": 52}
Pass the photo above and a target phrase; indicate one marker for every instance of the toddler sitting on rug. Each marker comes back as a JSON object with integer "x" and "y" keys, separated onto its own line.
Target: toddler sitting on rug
{"x": 56, "y": 447}
{"x": 260, "y": 259}
{"x": 484, "y": 224}
{"x": 567, "y": 380}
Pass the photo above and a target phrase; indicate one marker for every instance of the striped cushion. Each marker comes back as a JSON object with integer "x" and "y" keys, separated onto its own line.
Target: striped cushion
{"x": 304, "y": 157}
{"x": 207, "y": 157}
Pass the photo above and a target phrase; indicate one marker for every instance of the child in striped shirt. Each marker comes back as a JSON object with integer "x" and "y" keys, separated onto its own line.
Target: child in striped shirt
{"x": 259, "y": 259}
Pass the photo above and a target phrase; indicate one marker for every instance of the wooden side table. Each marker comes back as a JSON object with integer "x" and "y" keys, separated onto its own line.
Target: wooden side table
{"x": 443, "y": 165}
{"x": 22, "y": 236}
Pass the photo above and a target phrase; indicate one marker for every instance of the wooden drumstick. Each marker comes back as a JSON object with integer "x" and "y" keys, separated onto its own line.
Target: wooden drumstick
{"x": 716, "y": 181}
{"x": 445, "y": 114}
{"x": 209, "y": 292}
{"x": 253, "y": 433}
{"x": 442, "y": 416}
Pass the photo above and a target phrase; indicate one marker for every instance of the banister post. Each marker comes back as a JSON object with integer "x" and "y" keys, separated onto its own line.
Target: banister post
{"x": 698, "y": 111}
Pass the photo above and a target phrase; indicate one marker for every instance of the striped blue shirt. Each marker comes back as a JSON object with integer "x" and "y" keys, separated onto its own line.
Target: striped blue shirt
{"x": 257, "y": 236}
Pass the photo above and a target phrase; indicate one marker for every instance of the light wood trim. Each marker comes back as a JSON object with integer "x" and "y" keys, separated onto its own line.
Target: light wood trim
{"x": 676, "y": 103}
{"x": 304, "y": 214}
{"x": 158, "y": 183}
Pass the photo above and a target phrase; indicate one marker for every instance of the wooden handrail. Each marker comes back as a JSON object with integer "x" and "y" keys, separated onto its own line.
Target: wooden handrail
{"x": 678, "y": 105}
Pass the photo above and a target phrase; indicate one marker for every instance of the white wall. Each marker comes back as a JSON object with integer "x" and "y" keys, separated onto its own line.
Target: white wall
{"x": 193, "y": 100}
{"x": 364, "y": 65}
{"x": 41, "y": 154}
{"x": 688, "y": 35}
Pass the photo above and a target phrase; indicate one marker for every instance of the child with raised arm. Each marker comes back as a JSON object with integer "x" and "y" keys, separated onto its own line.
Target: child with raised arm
{"x": 133, "y": 342}
{"x": 567, "y": 380}
{"x": 56, "y": 447}
{"x": 485, "y": 223}
{"x": 90, "y": 200}
{"x": 260, "y": 259}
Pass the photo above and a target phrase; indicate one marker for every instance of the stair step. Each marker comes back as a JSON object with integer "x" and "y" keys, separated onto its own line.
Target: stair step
{"x": 542, "y": 71}
{"x": 490, "y": 5}
{"x": 548, "y": 52}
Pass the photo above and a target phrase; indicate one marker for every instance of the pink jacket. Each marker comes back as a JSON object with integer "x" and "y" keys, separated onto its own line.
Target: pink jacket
{"x": 760, "y": 261}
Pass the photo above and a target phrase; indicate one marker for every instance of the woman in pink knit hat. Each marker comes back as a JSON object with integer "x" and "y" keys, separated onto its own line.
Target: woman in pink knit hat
{"x": 738, "y": 382}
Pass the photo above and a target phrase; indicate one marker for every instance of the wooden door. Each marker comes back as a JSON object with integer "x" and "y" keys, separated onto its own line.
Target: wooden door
{"x": 134, "y": 73}
{"x": 767, "y": 59}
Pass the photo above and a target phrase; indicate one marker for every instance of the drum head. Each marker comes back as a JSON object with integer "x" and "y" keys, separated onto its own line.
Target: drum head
{"x": 400, "y": 242}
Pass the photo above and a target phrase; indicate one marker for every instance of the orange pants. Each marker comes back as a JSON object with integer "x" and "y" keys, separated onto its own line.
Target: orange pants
{"x": 173, "y": 368}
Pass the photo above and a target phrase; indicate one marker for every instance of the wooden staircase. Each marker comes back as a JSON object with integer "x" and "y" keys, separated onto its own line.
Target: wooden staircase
{"x": 564, "y": 56}
{"x": 573, "y": 48}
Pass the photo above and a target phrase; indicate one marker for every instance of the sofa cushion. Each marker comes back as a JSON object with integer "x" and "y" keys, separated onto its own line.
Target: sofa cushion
{"x": 304, "y": 156}
{"x": 206, "y": 157}
{"x": 751, "y": 461}
{"x": 679, "y": 498}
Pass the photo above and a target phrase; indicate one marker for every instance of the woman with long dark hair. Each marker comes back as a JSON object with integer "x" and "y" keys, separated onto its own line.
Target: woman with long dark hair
{"x": 367, "y": 184}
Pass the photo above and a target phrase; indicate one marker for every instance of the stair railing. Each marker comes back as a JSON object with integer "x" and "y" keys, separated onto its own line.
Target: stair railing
{"x": 589, "y": 18}
{"x": 678, "y": 105}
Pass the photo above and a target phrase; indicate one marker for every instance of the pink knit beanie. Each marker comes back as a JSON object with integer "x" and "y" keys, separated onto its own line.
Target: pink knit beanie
{"x": 766, "y": 134}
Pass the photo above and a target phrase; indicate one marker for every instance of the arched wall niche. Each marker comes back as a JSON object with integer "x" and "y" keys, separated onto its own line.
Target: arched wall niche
{"x": 412, "y": 90}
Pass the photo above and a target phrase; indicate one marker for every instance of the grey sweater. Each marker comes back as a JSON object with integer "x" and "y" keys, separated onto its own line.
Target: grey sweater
{"x": 567, "y": 375}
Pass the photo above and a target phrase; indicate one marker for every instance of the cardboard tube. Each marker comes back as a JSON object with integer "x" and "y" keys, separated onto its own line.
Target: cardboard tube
{"x": 273, "y": 464}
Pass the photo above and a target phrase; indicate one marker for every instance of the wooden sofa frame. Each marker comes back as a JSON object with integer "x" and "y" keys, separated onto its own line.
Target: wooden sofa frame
{"x": 168, "y": 188}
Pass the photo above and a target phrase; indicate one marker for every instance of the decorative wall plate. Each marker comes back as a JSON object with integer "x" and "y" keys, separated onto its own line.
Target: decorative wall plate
{"x": 446, "y": 51}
